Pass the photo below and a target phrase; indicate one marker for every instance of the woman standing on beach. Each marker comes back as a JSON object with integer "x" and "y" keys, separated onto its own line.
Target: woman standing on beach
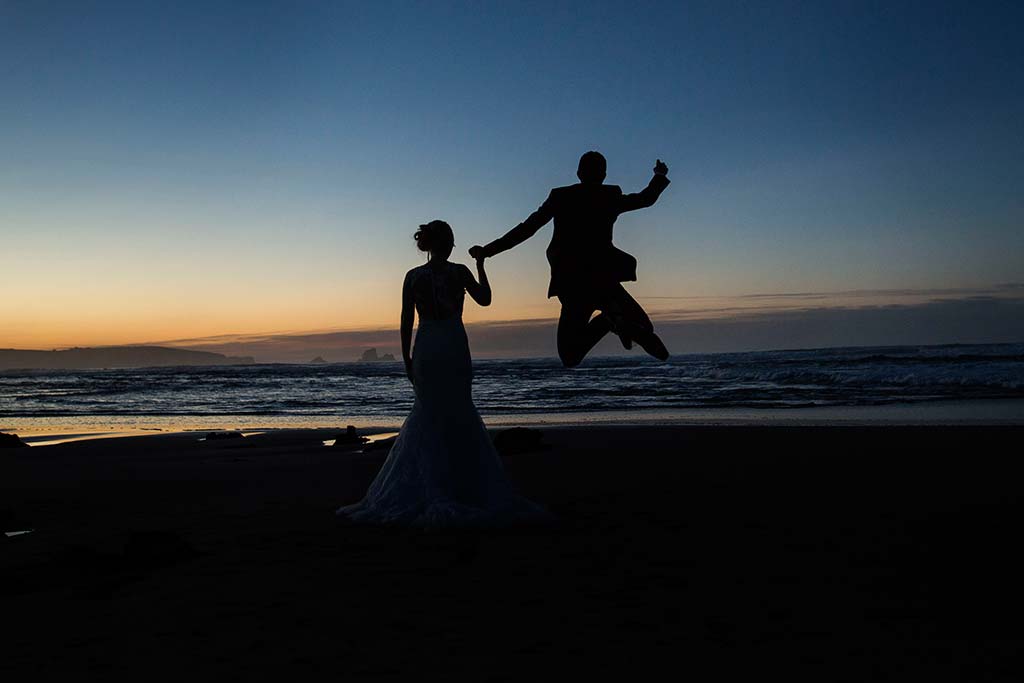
{"x": 443, "y": 469}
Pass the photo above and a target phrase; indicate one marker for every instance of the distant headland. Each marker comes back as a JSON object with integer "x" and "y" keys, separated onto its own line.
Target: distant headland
{"x": 113, "y": 357}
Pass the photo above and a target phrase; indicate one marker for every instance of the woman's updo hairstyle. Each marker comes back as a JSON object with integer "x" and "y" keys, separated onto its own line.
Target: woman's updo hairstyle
{"x": 434, "y": 234}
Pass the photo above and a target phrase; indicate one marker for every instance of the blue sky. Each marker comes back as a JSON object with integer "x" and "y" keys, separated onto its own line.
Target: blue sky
{"x": 186, "y": 169}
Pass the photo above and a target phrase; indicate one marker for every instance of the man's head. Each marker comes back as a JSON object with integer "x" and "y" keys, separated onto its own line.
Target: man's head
{"x": 593, "y": 168}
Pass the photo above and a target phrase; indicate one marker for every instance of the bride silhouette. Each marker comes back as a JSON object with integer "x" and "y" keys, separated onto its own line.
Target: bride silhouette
{"x": 443, "y": 469}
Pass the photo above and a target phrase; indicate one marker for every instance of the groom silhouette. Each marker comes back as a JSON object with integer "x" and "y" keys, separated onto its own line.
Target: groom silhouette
{"x": 586, "y": 268}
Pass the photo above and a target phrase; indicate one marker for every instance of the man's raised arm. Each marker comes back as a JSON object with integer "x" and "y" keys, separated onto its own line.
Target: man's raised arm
{"x": 522, "y": 232}
{"x": 647, "y": 196}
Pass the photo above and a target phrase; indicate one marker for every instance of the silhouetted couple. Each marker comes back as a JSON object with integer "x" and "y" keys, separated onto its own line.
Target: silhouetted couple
{"x": 443, "y": 470}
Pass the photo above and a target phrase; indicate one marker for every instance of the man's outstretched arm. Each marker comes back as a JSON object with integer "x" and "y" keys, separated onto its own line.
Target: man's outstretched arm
{"x": 519, "y": 234}
{"x": 647, "y": 196}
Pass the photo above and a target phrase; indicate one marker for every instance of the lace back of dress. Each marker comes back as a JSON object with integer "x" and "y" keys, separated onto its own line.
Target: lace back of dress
{"x": 439, "y": 293}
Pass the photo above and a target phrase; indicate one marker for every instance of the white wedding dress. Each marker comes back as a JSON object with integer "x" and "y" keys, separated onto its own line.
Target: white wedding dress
{"x": 443, "y": 470}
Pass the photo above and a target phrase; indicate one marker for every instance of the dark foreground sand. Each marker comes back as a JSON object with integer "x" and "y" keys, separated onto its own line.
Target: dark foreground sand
{"x": 685, "y": 553}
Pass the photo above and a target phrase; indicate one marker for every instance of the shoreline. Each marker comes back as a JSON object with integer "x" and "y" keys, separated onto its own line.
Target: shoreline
{"x": 984, "y": 412}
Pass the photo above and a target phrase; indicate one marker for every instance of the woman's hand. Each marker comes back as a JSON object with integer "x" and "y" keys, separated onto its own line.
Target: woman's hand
{"x": 408, "y": 369}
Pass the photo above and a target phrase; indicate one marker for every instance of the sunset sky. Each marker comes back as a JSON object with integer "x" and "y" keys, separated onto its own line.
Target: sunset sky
{"x": 175, "y": 170}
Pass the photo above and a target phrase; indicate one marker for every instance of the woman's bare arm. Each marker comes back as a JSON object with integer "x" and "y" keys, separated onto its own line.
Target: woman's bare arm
{"x": 480, "y": 291}
{"x": 408, "y": 313}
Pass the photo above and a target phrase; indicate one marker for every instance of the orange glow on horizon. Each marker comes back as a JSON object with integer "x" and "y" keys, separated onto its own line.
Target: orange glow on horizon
{"x": 214, "y": 320}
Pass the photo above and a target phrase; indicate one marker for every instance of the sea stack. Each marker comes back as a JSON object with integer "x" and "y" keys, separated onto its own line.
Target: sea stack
{"x": 370, "y": 356}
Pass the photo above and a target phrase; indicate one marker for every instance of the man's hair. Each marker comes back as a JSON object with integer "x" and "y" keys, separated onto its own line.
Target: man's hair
{"x": 592, "y": 168}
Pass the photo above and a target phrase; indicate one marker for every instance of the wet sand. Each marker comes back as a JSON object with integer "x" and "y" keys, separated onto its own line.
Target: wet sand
{"x": 710, "y": 553}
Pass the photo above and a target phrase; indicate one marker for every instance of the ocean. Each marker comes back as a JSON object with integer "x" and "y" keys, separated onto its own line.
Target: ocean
{"x": 793, "y": 383}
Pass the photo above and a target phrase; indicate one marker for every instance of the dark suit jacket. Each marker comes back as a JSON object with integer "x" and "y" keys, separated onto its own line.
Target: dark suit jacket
{"x": 581, "y": 253}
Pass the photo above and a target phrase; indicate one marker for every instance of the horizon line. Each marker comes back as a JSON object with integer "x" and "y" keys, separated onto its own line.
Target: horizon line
{"x": 549, "y": 357}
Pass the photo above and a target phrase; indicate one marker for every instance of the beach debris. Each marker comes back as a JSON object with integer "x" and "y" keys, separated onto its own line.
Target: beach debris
{"x": 519, "y": 440}
{"x": 12, "y": 524}
{"x": 218, "y": 436}
{"x": 350, "y": 437}
{"x": 22, "y": 532}
{"x": 11, "y": 441}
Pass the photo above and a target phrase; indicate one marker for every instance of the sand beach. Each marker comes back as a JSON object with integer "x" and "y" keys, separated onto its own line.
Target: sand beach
{"x": 713, "y": 553}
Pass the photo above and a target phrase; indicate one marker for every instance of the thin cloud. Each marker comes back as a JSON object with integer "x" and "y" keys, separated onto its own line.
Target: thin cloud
{"x": 994, "y": 290}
